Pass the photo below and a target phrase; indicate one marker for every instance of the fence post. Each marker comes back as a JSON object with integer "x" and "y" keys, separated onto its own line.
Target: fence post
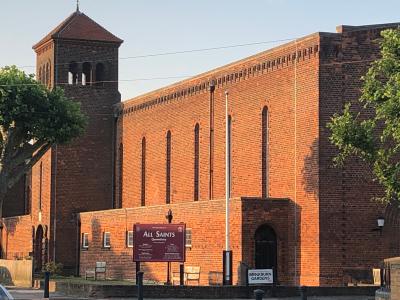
{"x": 140, "y": 285}
{"x": 181, "y": 274}
{"x": 46, "y": 284}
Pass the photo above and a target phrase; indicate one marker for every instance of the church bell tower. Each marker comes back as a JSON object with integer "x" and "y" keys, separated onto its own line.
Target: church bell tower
{"x": 81, "y": 57}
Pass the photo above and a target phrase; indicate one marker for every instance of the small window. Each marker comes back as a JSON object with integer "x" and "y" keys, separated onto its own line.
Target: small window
{"x": 85, "y": 240}
{"x": 106, "y": 240}
{"x": 100, "y": 70}
{"x": 188, "y": 240}
{"x": 129, "y": 239}
{"x": 73, "y": 73}
{"x": 86, "y": 73}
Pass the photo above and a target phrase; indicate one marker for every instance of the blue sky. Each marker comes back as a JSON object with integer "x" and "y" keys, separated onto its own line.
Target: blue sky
{"x": 154, "y": 26}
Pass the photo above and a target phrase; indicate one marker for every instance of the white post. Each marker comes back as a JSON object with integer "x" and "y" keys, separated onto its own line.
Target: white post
{"x": 227, "y": 172}
{"x": 227, "y": 253}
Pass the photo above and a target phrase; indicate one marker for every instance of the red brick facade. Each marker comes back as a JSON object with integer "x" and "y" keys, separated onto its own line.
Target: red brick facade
{"x": 166, "y": 149}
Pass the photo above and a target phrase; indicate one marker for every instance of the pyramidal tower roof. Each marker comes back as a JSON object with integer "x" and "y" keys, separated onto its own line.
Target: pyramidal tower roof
{"x": 79, "y": 26}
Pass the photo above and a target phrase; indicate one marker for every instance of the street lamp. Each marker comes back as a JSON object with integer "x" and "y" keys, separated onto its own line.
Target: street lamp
{"x": 380, "y": 222}
{"x": 169, "y": 218}
{"x": 227, "y": 253}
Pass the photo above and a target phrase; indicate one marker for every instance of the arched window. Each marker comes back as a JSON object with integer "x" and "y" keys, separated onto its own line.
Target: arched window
{"x": 48, "y": 74}
{"x": 86, "y": 73}
{"x": 143, "y": 185}
{"x": 168, "y": 169}
{"x": 264, "y": 152}
{"x": 121, "y": 170}
{"x": 40, "y": 185}
{"x": 100, "y": 74}
{"x": 196, "y": 161}
{"x": 73, "y": 73}
{"x": 43, "y": 76}
{"x": 39, "y": 78}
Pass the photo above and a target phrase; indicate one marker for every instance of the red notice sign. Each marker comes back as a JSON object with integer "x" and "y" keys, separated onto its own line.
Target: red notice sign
{"x": 159, "y": 242}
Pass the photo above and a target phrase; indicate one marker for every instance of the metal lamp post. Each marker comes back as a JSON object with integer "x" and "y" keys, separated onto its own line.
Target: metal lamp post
{"x": 169, "y": 217}
{"x": 227, "y": 253}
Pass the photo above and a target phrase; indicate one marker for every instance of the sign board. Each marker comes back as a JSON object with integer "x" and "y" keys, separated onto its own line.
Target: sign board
{"x": 260, "y": 276}
{"x": 159, "y": 242}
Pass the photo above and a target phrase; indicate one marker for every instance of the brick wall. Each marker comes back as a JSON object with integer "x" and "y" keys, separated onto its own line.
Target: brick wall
{"x": 206, "y": 219}
{"x": 252, "y": 84}
{"x": 16, "y": 237}
{"x": 347, "y": 212}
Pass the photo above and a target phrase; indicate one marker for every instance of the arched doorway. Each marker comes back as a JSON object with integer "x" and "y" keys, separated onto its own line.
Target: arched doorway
{"x": 266, "y": 249}
{"x": 38, "y": 250}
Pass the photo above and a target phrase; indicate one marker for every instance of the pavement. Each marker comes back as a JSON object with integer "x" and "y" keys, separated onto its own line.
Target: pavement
{"x": 34, "y": 294}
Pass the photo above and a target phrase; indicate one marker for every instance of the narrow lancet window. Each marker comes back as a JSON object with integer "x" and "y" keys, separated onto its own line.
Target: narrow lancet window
{"x": 168, "y": 169}
{"x": 196, "y": 161}
{"x": 264, "y": 152}
{"x": 143, "y": 185}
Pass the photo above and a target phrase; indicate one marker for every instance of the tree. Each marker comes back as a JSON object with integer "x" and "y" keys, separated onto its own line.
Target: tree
{"x": 32, "y": 119}
{"x": 372, "y": 133}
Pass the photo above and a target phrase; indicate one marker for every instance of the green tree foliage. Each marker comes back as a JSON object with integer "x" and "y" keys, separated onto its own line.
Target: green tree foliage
{"x": 32, "y": 119}
{"x": 373, "y": 133}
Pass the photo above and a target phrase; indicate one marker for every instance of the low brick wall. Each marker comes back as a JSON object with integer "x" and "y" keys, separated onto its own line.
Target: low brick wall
{"x": 206, "y": 219}
{"x": 203, "y": 292}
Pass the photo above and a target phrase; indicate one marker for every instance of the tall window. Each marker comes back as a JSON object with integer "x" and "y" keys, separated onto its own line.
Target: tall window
{"x": 99, "y": 74}
{"x": 40, "y": 185}
{"x": 86, "y": 73}
{"x": 143, "y": 187}
{"x": 73, "y": 73}
{"x": 196, "y": 161}
{"x": 48, "y": 74}
{"x": 264, "y": 152}
{"x": 121, "y": 168}
{"x": 168, "y": 169}
{"x": 40, "y": 74}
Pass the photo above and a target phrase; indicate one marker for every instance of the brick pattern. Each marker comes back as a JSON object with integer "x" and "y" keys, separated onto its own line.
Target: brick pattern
{"x": 248, "y": 95}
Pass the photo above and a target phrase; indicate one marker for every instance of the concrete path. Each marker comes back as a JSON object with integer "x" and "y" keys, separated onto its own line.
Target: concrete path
{"x": 34, "y": 294}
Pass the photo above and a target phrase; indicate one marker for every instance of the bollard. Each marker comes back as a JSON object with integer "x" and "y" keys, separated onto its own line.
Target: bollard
{"x": 303, "y": 292}
{"x": 46, "y": 284}
{"x": 181, "y": 274}
{"x": 259, "y": 294}
{"x": 140, "y": 285}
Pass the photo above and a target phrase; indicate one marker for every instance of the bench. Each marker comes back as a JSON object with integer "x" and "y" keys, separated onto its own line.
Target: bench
{"x": 99, "y": 269}
{"x": 190, "y": 274}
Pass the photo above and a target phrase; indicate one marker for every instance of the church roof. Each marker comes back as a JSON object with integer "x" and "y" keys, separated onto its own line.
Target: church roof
{"x": 79, "y": 26}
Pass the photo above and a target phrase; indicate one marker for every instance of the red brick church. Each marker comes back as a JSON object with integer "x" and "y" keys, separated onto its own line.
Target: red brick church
{"x": 290, "y": 209}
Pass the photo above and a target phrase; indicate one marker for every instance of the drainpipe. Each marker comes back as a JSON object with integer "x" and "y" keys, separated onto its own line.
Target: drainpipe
{"x": 78, "y": 243}
{"x": 211, "y": 147}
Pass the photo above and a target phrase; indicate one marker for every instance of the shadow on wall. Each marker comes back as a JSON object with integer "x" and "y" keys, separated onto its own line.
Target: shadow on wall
{"x": 5, "y": 276}
{"x": 310, "y": 170}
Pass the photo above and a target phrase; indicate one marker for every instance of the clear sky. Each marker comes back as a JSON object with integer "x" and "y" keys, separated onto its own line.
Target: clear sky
{"x": 156, "y": 26}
